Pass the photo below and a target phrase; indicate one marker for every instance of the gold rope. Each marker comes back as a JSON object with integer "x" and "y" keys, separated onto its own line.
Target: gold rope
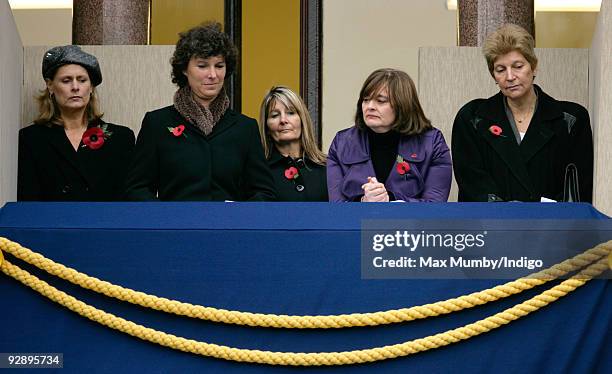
{"x": 307, "y": 322}
{"x": 307, "y": 359}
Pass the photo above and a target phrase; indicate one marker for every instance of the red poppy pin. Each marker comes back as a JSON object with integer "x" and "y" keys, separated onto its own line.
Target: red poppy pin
{"x": 402, "y": 166}
{"x": 291, "y": 173}
{"x": 177, "y": 130}
{"x": 496, "y": 130}
{"x": 95, "y": 137}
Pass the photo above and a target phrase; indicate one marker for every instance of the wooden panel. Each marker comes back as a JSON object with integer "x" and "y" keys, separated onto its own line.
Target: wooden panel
{"x": 29, "y": 21}
{"x": 11, "y": 74}
{"x": 449, "y": 77}
{"x": 135, "y": 79}
{"x": 565, "y": 29}
{"x": 170, "y": 17}
{"x": 270, "y": 49}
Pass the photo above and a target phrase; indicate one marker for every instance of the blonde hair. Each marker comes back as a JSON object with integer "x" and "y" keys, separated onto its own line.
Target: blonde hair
{"x": 409, "y": 116}
{"x": 292, "y": 101}
{"x": 506, "y": 39}
{"x": 49, "y": 112}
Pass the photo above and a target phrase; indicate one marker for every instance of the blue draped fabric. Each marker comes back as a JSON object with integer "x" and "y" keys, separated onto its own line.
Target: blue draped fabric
{"x": 281, "y": 258}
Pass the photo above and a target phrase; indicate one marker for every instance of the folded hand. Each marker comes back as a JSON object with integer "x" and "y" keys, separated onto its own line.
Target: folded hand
{"x": 374, "y": 191}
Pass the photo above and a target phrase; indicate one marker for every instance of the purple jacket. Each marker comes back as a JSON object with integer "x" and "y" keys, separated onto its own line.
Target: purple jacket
{"x": 429, "y": 178}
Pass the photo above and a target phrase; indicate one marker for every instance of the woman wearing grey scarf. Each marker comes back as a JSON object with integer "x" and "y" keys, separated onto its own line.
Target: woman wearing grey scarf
{"x": 198, "y": 149}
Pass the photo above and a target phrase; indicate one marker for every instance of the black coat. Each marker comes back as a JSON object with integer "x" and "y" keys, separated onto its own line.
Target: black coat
{"x": 559, "y": 134}
{"x": 310, "y": 185}
{"x": 228, "y": 164}
{"x": 51, "y": 170}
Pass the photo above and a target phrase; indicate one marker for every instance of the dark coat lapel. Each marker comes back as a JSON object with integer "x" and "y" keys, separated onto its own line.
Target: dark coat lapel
{"x": 539, "y": 132}
{"x": 228, "y": 119}
{"x": 491, "y": 113}
{"x": 60, "y": 143}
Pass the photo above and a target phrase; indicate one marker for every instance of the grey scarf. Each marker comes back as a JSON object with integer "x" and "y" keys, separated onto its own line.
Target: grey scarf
{"x": 203, "y": 118}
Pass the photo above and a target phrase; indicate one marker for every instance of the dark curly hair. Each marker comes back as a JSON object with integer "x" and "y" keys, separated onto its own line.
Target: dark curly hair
{"x": 204, "y": 41}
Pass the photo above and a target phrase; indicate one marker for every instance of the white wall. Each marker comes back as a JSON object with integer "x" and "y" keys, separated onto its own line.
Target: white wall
{"x": 11, "y": 76}
{"x": 360, "y": 36}
{"x": 600, "y": 108}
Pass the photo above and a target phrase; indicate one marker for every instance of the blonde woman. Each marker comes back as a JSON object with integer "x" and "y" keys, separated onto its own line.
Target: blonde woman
{"x": 297, "y": 164}
{"x": 69, "y": 153}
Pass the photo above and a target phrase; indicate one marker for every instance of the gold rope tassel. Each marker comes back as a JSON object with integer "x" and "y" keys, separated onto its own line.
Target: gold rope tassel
{"x": 307, "y": 359}
{"x": 307, "y": 322}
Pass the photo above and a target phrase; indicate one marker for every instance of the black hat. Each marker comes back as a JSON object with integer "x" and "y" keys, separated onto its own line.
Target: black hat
{"x": 71, "y": 54}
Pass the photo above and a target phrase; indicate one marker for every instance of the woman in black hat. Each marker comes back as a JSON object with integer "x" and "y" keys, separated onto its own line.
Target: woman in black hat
{"x": 69, "y": 153}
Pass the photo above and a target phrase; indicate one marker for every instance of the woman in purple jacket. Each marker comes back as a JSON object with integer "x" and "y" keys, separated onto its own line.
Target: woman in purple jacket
{"x": 393, "y": 153}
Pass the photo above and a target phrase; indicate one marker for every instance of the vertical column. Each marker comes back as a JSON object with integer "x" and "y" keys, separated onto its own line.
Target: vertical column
{"x": 478, "y": 18}
{"x": 97, "y": 22}
{"x": 311, "y": 35}
{"x": 233, "y": 27}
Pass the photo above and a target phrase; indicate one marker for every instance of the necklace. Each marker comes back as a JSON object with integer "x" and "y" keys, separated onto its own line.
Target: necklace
{"x": 524, "y": 117}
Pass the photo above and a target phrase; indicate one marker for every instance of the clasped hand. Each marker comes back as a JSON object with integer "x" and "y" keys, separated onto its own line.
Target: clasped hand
{"x": 374, "y": 191}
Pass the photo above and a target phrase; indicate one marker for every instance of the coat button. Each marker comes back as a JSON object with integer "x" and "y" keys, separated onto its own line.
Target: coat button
{"x": 66, "y": 189}
{"x": 299, "y": 188}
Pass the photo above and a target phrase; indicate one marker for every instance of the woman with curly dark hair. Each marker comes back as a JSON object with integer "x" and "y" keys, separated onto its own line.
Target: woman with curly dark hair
{"x": 198, "y": 149}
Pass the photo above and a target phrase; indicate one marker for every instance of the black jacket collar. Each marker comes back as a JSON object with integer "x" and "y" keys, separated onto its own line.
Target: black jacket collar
{"x": 229, "y": 119}
{"x": 275, "y": 156}
{"x": 493, "y": 107}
